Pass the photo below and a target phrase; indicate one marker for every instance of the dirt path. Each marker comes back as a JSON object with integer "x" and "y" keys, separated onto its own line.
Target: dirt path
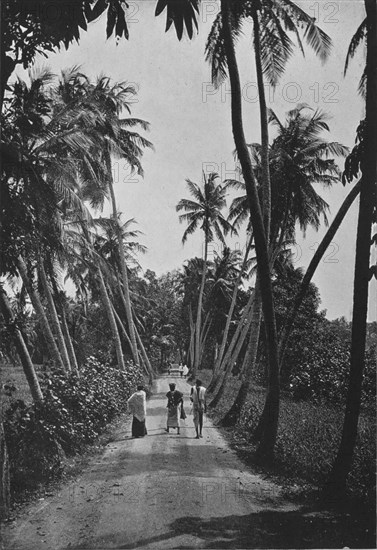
{"x": 163, "y": 491}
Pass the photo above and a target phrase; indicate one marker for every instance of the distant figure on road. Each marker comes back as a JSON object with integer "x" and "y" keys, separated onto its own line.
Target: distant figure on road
{"x": 137, "y": 405}
{"x": 199, "y": 406}
{"x": 180, "y": 368}
{"x": 185, "y": 371}
{"x": 175, "y": 403}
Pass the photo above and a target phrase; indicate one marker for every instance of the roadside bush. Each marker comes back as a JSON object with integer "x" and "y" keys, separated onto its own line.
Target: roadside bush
{"x": 75, "y": 411}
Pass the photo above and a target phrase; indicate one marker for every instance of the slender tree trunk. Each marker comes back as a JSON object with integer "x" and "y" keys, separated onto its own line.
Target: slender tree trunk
{"x": 114, "y": 329}
{"x": 266, "y": 180}
{"x": 37, "y": 305}
{"x": 127, "y": 338}
{"x": 250, "y": 327}
{"x": 22, "y": 350}
{"x": 330, "y": 233}
{"x": 126, "y": 289}
{"x": 233, "y": 414}
{"x": 121, "y": 325}
{"x": 231, "y": 309}
{"x": 54, "y": 318}
{"x": 267, "y": 444}
{"x": 144, "y": 355}
{"x": 239, "y": 335}
{"x": 198, "y": 326}
{"x": 68, "y": 340}
{"x": 220, "y": 386}
{"x": 5, "y": 476}
{"x": 343, "y": 461}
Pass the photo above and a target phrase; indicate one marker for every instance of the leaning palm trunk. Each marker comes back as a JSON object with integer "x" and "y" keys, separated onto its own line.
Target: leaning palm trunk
{"x": 126, "y": 289}
{"x": 114, "y": 329}
{"x": 144, "y": 355}
{"x": 54, "y": 317}
{"x": 231, "y": 309}
{"x": 266, "y": 181}
{"x": 232, "y": 416}
{"x": 239, "y": 333}
{"x": 267, "y": 444}
{"x": 228, "y": 365}
{"x": 218, "y": 394}
{"x": 287, "y": 329}
{"x": 343, "y": 461}
{"x": 190, "y": 353}
{"x": 37, "y": 305}
{"x": 198, "y": 326}
{"x": 21, "y": 348}
{"x": 68, "y": 340}
{"x": 125, "y": 335}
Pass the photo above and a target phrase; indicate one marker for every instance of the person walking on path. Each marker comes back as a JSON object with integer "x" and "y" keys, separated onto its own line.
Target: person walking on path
{"x": 175, "y": 404}
{"x": 185, "y": 371}
{"x": 137, "y": 405}
{"x": 199, "y": 406}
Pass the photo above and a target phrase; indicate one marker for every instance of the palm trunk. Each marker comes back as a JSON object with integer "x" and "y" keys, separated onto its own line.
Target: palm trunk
{"x": 54, "y": 318}
{"x": 68, "y": 340}
{"x": 114, "y": 329}
{"x": 22, "y": 350}
{"x": 127, "y": 338}
{"x": 233, "y": 414}
{"x": 343, "y": 461}
{"x": 266, "y": 181}
{"x": 5, "y": 476}
{"x": 126, "y": 289}
{"x": 240, "y": 333}
{"x": 144, "y": 355}
{"x": 198, "y": 326}
{"x": 37, "y": 305}
{"x": 231, "y": 309}
{"x": 251, "y": 325}
{"x": 286, "y": 331}
{"x": 266, "y": 447}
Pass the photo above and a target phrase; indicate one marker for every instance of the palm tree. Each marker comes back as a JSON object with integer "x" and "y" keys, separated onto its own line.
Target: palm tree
{"x": 271, "y": 59}
{"x": 300, "y": 158}
{"x": 122, "y": 143}
{"x": 366, "y": 162}
{"x": 205, "y": 211}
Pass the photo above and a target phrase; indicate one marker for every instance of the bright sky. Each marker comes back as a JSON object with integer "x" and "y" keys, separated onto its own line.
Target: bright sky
{"x": 191, "y": 129}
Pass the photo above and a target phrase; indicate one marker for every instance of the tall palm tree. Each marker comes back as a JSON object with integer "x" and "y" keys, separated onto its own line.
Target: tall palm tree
{"x": 204, "y": 211}
{"x": 365, "y": 161}
{"x": 122, "y": 143}
{"x": 300, "y": 158}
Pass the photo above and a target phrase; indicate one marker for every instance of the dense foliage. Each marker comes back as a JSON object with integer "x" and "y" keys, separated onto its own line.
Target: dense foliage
{"x": 75, "y": 411}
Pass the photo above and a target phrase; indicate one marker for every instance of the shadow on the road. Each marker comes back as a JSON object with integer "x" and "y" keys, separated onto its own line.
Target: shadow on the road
{"x": 266, "y": 529}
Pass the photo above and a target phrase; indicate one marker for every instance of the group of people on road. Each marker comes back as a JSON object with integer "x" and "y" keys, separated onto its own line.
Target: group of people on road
{"x": 175, "y": 405}
{"x": 182, "y": 369}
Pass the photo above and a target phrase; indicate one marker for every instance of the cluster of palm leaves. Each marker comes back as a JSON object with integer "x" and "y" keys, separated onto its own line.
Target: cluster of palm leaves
{"x": 58, "y": 144}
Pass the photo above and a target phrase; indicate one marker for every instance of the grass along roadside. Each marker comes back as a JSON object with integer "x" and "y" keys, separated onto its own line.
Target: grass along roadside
{"x": 308, "y": 439}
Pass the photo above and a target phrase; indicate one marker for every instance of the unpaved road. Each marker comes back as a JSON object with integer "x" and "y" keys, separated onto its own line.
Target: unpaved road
{"x": 167, "y": 491}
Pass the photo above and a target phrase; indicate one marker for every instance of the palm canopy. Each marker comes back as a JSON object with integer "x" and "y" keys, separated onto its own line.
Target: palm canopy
{"x": 278, "y": 21}
{"x": 300, "y": 158}
{"x": 205, "y": 209}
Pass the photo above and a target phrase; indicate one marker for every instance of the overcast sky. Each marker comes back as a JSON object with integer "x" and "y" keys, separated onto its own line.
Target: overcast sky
{"x": 191, "y": 128}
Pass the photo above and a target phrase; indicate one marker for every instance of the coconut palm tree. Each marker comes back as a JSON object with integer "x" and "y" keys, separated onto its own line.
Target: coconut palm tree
{"x": 204, "y": 211}
{"x": 364, "y": 160}
{"x": 120, "y": 142}
{"x": 300, "y": 158}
